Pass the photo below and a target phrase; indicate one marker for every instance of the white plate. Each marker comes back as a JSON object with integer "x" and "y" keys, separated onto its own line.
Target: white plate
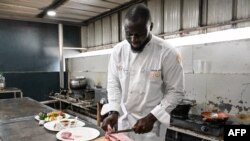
{"x": 37, "y": 117}
{"x": 79, "y": 134}
{"x": 51, "y": 125}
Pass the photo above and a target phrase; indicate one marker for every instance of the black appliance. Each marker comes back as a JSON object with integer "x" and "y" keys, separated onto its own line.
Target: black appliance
{"x": 181, "y": 111}
{"x": 101, "y": 95}
{"x": 84, "y": 94}
{"x": 196, "y": 124}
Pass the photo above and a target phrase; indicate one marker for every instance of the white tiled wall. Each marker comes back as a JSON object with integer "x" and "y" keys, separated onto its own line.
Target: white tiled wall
{"x": 94, "y": 68}
{"x": 217, "y": 75}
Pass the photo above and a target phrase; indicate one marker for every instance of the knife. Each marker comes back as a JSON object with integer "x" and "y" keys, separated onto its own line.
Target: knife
{"x": 121, "y": 131}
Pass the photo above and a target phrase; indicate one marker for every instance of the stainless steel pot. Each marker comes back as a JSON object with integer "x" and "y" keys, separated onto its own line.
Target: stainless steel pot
{"x": 78, "y": 83}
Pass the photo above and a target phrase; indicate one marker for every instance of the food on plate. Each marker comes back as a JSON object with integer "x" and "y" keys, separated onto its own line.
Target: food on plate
{"x": 50, "y": 116}
{"x": 64, "y": 123}
{"x": 115, "y": 137}
{"x": 42, "y": 115}
{"x": 222, "y": 115}
{"x": 67, "y": 135}
{"x": 68, "y": 122}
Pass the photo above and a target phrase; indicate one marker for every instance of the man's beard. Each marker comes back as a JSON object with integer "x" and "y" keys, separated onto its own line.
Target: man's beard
{"x": 142, "y": 46}
{"x": 138, "y": 49}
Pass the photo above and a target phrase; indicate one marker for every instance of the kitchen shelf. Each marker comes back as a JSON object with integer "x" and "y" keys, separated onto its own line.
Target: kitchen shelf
{"x": 83, "y": 104}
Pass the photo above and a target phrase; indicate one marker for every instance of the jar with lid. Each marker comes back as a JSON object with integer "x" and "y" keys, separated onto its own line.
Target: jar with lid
{"x": 2, "y": 82}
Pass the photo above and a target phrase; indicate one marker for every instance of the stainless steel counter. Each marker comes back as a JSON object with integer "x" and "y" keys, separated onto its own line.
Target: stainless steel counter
{"x": 17, "y": 121}
{"x": 13, "y": 109}
{"x": 25, "y": 130}
{"x": 12, "y": 90}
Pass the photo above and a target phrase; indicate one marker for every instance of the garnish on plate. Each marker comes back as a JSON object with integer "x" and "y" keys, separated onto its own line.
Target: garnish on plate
{"x": 50, "y": 116}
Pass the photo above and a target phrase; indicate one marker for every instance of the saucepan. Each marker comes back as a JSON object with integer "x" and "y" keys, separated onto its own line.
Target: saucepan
{"x": 214, "y": 116}
{"x": 183, "y": 108}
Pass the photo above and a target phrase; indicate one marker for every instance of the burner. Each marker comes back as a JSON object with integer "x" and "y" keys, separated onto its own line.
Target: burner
{"x": 195, "y": 123}
{"x": 85, "y": 94}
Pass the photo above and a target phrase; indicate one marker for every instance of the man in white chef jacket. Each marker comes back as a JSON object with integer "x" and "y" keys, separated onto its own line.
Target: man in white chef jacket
{"x": 145, "y": 80}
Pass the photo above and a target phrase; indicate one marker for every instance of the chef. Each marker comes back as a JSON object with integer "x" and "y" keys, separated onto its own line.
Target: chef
{"x": 145, "y": 80}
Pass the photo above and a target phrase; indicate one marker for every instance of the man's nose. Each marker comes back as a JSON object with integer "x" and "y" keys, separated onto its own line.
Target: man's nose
{"x": 133, "y": 38}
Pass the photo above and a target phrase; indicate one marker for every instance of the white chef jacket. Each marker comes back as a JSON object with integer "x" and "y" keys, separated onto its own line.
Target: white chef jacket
{"x": 141, "y": 83}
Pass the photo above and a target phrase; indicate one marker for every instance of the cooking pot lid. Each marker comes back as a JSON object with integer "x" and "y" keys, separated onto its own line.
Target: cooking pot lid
{"x": 187, "y": 102}
{"x": 80, "y": 77}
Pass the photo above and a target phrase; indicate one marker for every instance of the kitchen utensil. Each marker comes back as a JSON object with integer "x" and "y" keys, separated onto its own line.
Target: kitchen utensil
{"x": 214, "y": 116}
{"x": 122, "y": 131}
{"x": 182, "y": 109}
{"x": 78, "y": 83}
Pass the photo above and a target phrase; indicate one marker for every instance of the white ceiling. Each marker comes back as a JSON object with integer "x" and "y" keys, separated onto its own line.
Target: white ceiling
{"x": 71, "y": 11}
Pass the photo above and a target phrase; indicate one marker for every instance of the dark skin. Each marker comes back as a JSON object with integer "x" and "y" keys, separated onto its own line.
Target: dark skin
{"x": 143, "y": 125}
{"x": 111, "y": 120}
{"x": 138, "y": 35}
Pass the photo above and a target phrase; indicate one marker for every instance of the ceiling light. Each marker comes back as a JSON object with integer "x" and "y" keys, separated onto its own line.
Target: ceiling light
{"x": 51, "y": 13}
{"x": 219, "y": 36}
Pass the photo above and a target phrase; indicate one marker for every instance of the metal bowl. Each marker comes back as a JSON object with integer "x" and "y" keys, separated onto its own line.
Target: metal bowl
{"x": 78, "y": 83}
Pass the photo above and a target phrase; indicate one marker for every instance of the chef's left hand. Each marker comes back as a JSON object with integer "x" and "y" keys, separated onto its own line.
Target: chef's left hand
{"x": 145, "y": 125}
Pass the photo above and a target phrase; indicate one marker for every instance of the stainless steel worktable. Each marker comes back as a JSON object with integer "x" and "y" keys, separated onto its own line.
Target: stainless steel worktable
{"x": 12, "y": 90}
{"x": 17, "y": 121}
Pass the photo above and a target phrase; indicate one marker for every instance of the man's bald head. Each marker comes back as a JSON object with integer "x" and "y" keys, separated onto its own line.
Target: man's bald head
{"x": 137, "y": 26}
{"x": 138, "y": 13}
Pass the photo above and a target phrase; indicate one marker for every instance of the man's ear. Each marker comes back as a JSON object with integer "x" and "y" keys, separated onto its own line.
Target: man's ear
{"x": 151, "y": 26}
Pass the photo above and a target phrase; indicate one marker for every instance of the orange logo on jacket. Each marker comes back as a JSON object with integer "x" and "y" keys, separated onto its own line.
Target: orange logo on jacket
{"x": 155, "y": 73}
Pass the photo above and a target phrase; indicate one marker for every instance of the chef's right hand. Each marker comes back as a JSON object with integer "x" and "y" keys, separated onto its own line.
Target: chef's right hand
{"x": 111, "y": 120}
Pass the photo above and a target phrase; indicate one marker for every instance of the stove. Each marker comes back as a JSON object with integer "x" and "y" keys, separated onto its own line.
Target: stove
{"x": 196, "y": 124}
{"x": 84, "y": 94}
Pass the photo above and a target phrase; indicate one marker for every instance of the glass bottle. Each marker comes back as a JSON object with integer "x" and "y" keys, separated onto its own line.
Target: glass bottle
{"x": 2, "y": 82}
